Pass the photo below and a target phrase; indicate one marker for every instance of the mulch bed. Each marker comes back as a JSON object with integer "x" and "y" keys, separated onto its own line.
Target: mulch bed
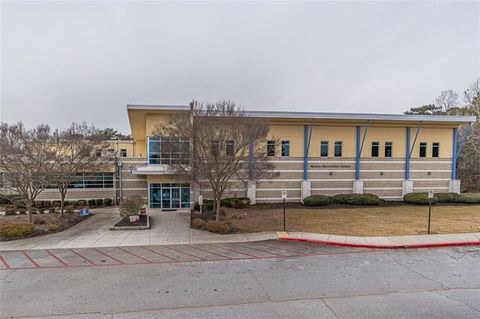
{"x": 42, "y": 221}
{"x": 126, "y": 222}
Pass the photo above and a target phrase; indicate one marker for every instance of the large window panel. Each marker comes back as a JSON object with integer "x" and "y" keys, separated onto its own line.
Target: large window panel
{"x": 168, "y": 150}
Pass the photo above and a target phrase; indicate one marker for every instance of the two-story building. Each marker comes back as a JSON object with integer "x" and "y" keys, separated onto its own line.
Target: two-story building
{"x": 313, "y": 153}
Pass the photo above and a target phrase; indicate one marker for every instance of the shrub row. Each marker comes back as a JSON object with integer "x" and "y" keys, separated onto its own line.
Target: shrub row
{"x": 14, "y": 231}
{"x": 234, "y": 202}
{"x": 347, "y": 199}
{"x": 76, "y": 203}
{"x": 422, "y": 198}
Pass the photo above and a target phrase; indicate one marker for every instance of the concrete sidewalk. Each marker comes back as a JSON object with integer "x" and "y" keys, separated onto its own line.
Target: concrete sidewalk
{"x": 387, "y": 242}
{"x": 166, "y": 228}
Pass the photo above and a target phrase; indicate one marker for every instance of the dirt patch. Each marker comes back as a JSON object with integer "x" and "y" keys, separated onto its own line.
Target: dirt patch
{"x": 389, "y": 220}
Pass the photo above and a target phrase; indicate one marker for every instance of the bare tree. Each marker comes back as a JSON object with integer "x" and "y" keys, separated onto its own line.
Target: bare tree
{"x": 468, "y": 159}
{"x": 447, "y": 100}
{"x": 220, "y": 138}
{"x": 26, "y": 161}
{"x": 471, "y": 97}
{"x": 75, "y": 153}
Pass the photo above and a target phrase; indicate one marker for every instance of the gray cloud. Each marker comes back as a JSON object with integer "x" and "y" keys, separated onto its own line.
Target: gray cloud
{"x": 75, "y": 61}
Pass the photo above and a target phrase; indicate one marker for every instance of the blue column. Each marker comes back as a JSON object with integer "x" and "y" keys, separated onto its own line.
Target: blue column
{"x": 250, "y": 161}
{"x": 357, "y": 159}
{"x": 305, "y": 152}
{"x": 407, "y": 157}
{"x": 455, "y": 153}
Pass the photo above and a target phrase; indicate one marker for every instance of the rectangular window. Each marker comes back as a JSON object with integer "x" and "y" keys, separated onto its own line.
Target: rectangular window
{"x": 168, "y": 150}
{"x": 338, "y": 149}
{"x": 215, "y": 147}
{"x": 375, "y": 149}
{"x": 435, "y": 149}
{"x": 285, "y": 148}
{"x": 324, "y": 148}
{"x": 388, "y": 149}
{"x": 423, "y": 149}
{"x": 230, "y": 148}
{"x": 123, "y": 152}
{"x": 270, "y": 148}
{"x": 90, "y": 180}
{"x": 98, "y": 152}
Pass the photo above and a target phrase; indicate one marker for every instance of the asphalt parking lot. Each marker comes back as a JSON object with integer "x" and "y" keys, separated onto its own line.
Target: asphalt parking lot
{"x": 134, "y": 255}
{"x": 267, "y": 279}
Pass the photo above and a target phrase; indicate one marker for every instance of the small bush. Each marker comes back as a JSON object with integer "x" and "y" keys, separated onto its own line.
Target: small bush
{"x": 82, "y": 203}
{"x": 131, "y": 206}
{"x": 53, "y": 228}
{"x": 47, "y": 203}
{"x": 235, "y": 202}
{"x": 91, "y": 202}
{"x": 222, "y": 211}
{"x": 56, "y": 203}
{"x": 15, "y": 231}
{"x": 99, "y": 201}
{"x": 197, "y": 223}
{"x": 356, "y": 199}
{"x": 316, "y": 200}
{"x": 418, "y": 198}
{"x": 10, "y": 209}
{"x": 108, "y": 202}
{"x": 217, "y": 227}
{"x": 39, "y": 204}
{"x": 207, "y": 205}
{"x": 37, "y": 220}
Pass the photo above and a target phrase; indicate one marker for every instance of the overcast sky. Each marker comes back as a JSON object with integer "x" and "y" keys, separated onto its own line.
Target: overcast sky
{"x": 75, "y": 61}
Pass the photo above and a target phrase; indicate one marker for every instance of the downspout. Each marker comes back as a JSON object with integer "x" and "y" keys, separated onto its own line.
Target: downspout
{"x": 455, "y": 153}
{"x": 407, "y": 157}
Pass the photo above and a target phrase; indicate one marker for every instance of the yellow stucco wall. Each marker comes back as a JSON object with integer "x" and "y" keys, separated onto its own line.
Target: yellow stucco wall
{"x": 293, "y": 130}
{"x": 444, "y": 136}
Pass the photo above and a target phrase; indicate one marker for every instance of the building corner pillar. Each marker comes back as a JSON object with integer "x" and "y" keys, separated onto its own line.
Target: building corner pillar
{"x": 454, "y": 186}
{"x": 358, "y": 187}
{"x": 306, "y": 189}
{"x": 407, "y": 187}
{"x": 252, "y": 192}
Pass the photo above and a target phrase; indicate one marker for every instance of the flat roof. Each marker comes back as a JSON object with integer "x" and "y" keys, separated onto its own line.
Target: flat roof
{"x": 323, "y": 115}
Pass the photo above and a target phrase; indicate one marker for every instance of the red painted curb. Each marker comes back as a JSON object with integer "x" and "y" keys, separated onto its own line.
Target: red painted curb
{"x": 333, "y": 243}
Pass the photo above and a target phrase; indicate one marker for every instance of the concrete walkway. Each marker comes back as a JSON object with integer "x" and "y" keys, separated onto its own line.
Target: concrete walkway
{"x": 414, "y": 241}
{"x": 166, "y": 228}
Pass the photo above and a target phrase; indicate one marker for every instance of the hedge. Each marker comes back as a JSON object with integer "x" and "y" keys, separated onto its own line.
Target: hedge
{"x": 316, "y": 200}
{"x": 422, "y": 198}
{"x": 15, "y": 231}
{"x": 108, "y": 202}
{"x": 356, "y": 199}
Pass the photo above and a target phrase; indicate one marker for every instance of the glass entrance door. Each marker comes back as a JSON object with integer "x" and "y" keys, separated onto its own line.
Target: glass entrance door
{"x": 175, "y": 203}
{"x": 169, "y": 196}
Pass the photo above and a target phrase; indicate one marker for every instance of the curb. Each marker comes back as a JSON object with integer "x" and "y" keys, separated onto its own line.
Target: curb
{"x": 333, "y": 243}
